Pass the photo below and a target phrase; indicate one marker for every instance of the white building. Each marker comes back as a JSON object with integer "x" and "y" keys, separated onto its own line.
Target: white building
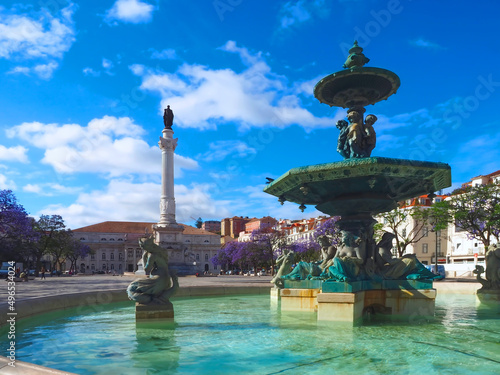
{"x": 116, "y": 249}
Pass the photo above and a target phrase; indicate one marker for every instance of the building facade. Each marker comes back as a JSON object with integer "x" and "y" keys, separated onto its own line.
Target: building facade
{"x": 231, "y": 228}
{"x": 213, "y": 226}
{"x": 256, "y": 224}
{"x": 116, "y": 249}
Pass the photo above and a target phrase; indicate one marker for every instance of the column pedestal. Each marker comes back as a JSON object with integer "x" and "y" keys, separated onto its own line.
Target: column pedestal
{"x": 154, "y": 312}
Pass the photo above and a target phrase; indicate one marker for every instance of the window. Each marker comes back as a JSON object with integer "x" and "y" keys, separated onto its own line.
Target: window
{"x": 120, "y": 239}
{"x": 112, "y": 266}
{"x": 92, "y": 267}
{"x": 425, "y": 248}
{"x": 425, "y": 231}
{"x": 206, "y": 256}
{"x": 111, "y": 239}
{"x": 82, "y": 238}
{"x": 112, "y": 256}
{"x": 129, "y": 254}
{"x": 92, "y": 256}
{"x": 103, "y": 256}
{"x": 103, "y": 239}
{"x": 120, "y": 256}
{"x": 197, "y": 256}
{"x": 403, "y": 233}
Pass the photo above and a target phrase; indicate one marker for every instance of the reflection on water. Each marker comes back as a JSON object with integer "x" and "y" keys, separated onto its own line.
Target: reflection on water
{"x": 247, "y": 335}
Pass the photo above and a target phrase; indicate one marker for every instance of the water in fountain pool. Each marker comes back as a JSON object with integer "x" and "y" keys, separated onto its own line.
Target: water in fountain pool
{"x": 248, "y": 335}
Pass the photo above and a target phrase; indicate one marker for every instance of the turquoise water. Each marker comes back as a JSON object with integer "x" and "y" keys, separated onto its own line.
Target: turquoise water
{"x": 247, "y": 335}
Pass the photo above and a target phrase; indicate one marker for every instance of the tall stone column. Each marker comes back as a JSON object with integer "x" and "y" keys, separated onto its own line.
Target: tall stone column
{"x": 167, "y": 200}
{"x": 168, "y": 234}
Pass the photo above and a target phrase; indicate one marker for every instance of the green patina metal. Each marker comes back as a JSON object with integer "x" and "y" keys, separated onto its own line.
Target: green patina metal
{"x": 379, "y": 182}
{"x": 359, "y": 187}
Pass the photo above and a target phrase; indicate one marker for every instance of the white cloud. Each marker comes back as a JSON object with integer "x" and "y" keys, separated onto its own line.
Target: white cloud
{"x": 32, "y": 188}
{"x": 5, "y": 183}
{"x": 17, "y": 153}
{"x": 43, "y": 71}
{"x": 39, "y": 35}
{"x": 254, "y": 97}
{"x": 20, "y": 70}
{"x": 50, "y": 189}
{"x": 107, "y": 145}
{"x": 130, "y": 11}
{"x": 91, "y": 72}
{"x": 126, "y": 201}
{"x": 107, "y": 65}
{"x": 221, "y": 149}
{"x": 420, "y": 42}
{"x": 166, "y": 54}
{"x": 293, "y": 13}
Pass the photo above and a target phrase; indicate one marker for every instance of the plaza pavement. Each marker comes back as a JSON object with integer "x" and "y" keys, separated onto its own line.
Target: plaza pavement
{"x": 53, "y": 285}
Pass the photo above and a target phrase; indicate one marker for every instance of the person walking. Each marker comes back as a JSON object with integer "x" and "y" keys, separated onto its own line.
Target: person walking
{"x": 42, "y": 273}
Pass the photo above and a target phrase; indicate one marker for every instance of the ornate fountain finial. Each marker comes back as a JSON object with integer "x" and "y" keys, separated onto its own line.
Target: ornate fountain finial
{"x": 356, "y": 58}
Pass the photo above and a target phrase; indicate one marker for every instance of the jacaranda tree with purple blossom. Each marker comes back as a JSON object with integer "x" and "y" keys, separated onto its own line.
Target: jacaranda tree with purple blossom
{"x": 230, "y": 256}
{"x": 305, "y": 250}
{"x": 16, "y": 228}
{"x": 330, "y": 229}
{"x": 267, "y": 244}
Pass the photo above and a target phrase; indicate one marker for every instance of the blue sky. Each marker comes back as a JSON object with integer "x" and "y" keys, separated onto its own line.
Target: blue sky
{"x": 83, "y": 84}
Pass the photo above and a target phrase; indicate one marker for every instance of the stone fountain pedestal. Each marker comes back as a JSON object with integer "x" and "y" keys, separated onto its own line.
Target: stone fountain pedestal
{"x": 154, "y": 312}
{"x": 351, "y": 301}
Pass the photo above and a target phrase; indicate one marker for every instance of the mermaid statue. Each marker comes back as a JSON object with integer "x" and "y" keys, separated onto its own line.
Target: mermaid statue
{"x": 160, "y": 284}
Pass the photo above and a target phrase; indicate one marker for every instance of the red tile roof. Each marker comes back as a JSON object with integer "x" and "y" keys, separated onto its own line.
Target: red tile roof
{"x": 134, "y": 227}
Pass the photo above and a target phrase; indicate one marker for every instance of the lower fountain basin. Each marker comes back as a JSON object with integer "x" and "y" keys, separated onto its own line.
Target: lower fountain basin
{"x": 248, "y": 335}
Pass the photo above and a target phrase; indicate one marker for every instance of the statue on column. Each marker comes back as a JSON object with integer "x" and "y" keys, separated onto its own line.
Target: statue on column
{"x": 168, "y": 117}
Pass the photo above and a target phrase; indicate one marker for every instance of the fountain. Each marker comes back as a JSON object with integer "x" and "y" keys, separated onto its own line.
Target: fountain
{"x": 362, "y": 277}
{"x": 244, "y": 334}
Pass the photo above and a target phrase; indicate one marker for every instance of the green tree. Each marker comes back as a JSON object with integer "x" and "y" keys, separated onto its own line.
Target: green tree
{"x": 76, "y": 249}
{"x": 476, "y": 210}
{"x": 198, "y": 223}
{"x": 48, "y": 228}
{"x": 406, "y": 224}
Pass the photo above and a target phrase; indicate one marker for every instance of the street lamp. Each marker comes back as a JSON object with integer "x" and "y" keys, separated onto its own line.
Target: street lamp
{"x": 431, "y": 196}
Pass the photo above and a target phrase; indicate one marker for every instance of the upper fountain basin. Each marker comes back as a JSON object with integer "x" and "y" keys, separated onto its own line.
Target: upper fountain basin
{"x": 357, "y": 186}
